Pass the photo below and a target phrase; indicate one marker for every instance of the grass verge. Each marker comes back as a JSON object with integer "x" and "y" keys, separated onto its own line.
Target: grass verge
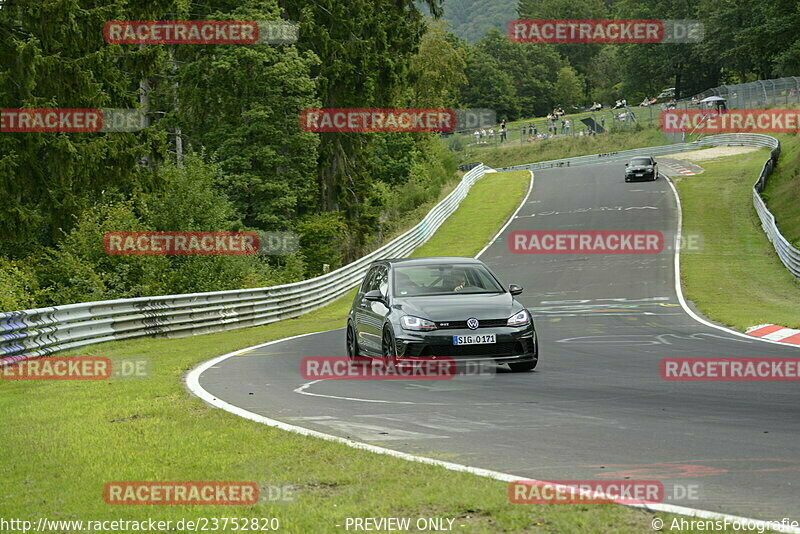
{"x": 62, "y": 441}
{"x": 783, "y": 189}
{"x": 564, "y": 147}
{"x": 735, "y": 277}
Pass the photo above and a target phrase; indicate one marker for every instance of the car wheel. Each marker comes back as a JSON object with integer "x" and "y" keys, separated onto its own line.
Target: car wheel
{"x": 388, "y": 346}
{"x": 353, "y": 353}
{"x": 526, "y": 366}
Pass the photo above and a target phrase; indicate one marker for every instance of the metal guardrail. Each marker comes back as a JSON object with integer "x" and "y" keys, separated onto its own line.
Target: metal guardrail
{"x": 39, "y": 332}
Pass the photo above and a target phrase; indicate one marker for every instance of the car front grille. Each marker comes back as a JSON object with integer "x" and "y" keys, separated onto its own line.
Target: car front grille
{"x": 462, "y": 325}
{"x": 491, "y": 349}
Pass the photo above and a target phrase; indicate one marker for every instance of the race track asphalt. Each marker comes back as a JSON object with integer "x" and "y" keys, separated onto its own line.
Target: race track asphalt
{"x": 596, "y": 407}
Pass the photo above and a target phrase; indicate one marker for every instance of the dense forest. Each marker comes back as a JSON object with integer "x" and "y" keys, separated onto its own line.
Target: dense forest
{"x": 224, "y": 151}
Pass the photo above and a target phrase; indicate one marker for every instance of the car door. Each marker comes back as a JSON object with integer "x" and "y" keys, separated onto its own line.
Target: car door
{"x": 359, "y": 310}
{"x": 373, "y": 312}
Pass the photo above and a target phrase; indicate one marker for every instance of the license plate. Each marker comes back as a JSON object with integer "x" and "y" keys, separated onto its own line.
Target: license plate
{"x": 478, "y": 339}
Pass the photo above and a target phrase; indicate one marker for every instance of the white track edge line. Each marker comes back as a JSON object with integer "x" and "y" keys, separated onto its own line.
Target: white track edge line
{"x": 193, "y": 384}
{"x": 679, "y": 289}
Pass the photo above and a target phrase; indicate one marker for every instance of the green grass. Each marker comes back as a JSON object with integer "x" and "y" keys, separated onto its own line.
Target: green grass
{"x": 736, "y": 277}
{"x": 62, "y": 441}
{"x": 564, "y": 147}
{"x": 782, "y": 193}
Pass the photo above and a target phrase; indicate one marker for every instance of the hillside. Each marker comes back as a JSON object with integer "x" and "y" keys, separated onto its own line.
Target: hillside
{"x": 471, "y": 19}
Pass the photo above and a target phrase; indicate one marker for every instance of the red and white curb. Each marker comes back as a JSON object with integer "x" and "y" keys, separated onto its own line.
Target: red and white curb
{"x": 773, "y": 332}
{"x": 680, "y": 169}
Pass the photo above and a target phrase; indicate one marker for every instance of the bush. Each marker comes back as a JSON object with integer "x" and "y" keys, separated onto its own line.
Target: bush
{"x": 19, "y": 288}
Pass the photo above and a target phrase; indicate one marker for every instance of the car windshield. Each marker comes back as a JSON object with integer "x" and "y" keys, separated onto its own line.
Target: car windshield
{"x": 640, "y": 161}
{"x": 443, "y": 279}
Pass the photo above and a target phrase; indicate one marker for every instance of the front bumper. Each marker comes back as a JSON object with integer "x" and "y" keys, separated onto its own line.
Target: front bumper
{"x": 512, "y": 345}
{"x": 632, "y": 177}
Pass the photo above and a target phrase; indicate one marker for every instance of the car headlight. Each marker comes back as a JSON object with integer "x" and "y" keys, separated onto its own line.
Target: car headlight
{"x": 521, "y": 318}
{"x": 409, "y": 322}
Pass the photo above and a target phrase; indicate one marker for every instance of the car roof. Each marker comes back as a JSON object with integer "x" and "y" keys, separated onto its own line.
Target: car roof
{"x": 428, "y": 261}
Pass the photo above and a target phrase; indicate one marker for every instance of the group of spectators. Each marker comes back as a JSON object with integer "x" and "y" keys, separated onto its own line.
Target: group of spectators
{"x": 558, "y": 124}
{"x": 482, "y": 136}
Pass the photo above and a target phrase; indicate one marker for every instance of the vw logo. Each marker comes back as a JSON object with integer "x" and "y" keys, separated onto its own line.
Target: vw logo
{"x": 472, "y": 323}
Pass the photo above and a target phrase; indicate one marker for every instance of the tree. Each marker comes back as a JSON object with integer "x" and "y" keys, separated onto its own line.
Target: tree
{"x": 437, "y": 70}
{"x": 579, "y": 55}
{"x": 241, "y": 105}
{"x": 52, "y": 55}
{"x": 490, "y": 86}
{"x": 569, "y": 88}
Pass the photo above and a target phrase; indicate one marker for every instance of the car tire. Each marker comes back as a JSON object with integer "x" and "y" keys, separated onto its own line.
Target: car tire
{"x": 522, "y": 367}
{"x": 388, "y": 346}
{"x": 526, "y": 366}
{"x": 351, "y": 343}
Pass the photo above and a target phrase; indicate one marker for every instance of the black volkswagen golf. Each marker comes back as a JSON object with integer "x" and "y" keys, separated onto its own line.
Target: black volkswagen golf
{"x": 641, "y": 168}
{"x": 440, "y": 307}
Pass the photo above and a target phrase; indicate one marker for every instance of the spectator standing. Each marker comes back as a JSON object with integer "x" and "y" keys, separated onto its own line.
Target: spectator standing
{"x": 483, "y": 136}
{"x": 503, "y": 133}
{"x": 566, "y": 126}
{"x": 477, "y": 135}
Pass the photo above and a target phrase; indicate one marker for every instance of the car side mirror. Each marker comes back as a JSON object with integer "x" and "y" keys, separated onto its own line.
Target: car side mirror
{"x": 626, "y": 164}
{"x": 374, "y": 296}
{"x": 514, "y": 289}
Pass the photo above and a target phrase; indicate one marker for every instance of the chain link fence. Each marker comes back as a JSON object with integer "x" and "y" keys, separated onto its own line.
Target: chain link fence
{"x": 777, "y": 93}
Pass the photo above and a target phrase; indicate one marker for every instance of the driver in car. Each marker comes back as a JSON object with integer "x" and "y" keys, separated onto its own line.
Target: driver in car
{"x": 458, "y": 280}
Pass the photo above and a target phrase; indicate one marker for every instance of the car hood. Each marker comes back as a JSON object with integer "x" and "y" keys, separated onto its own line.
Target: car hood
{"x": 460, "y": 307}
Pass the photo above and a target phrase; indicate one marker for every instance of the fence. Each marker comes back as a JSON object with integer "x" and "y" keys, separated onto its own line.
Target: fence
{"x": 39, "y": 332}
{"x": 780, "y": 92}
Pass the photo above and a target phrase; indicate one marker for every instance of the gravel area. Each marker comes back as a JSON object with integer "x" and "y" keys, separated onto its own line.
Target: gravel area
{"x": 708, "y": 154}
